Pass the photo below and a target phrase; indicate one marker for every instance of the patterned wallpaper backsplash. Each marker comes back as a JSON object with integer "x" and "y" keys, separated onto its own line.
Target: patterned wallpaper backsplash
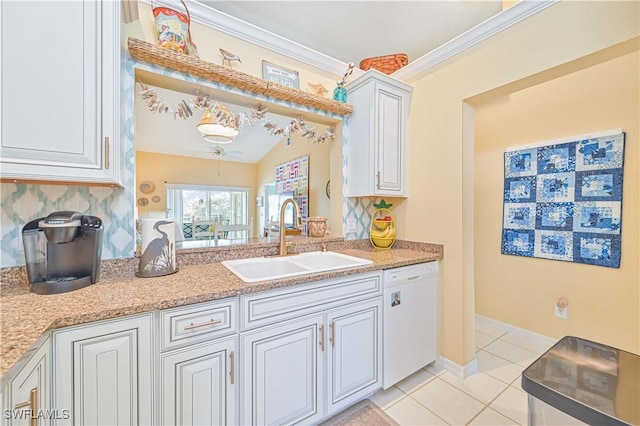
{"x": 115, "y": 206}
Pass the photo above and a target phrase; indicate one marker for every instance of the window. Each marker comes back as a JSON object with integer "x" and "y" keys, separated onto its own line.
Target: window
{"x": 226, "y": 205}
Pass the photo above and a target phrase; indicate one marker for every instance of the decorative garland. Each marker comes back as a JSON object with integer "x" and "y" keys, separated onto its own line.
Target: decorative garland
{"x": 184, "y": 110}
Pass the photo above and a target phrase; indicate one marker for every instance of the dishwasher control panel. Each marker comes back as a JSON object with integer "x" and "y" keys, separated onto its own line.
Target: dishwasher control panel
{"x": 409, "y": 273}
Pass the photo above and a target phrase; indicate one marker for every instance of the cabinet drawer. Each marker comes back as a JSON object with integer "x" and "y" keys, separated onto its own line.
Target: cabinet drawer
{"x": 278, "y": 305}
{"x": 191, "y": 324}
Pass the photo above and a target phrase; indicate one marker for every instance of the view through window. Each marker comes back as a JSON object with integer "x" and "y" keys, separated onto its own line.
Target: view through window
{"x": 223, "y": 205}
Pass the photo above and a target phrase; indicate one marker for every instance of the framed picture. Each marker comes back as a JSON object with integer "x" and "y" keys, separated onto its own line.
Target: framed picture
{"x": 278, "y": 74}
{"x": 259, "y": 201}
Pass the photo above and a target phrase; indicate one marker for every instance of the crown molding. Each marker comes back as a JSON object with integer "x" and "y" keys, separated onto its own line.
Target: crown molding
{"x": 220, "y": 21}
{"x": 492, "y": 26}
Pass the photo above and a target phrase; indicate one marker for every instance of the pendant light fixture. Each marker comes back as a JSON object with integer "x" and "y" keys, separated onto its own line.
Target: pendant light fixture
{"x": 218, "y": 124}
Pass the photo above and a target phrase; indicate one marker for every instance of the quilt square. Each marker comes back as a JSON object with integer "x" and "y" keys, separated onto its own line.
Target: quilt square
{"x": 563, "y": 201}
{"x": 555, "y": 187}
{"x": 520, "y": 190}
{"x": 600, "y": 216}
{"x": 600, "y": 153}
{"x": 554, "y": 245}
{"x": 554, "y": 216}
{"x": 604, "y": 185}
{"x": 519, "y": 216}
{"x": 597, "y": 249}
{"x": 557, "y": 158}
{"x": 521, "y": 163}
{"x": 518, "y": 242}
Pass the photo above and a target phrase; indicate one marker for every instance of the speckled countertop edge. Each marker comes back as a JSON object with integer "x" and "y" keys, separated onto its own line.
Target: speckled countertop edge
{"x": 25, "y": 316}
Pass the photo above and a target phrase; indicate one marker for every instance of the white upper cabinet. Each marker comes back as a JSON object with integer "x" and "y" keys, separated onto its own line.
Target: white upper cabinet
{"x": 377, "y": 136}
{"x": 59, "y": 89}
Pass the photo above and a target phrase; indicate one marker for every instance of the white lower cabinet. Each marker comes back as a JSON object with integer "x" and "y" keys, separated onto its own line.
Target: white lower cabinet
{"x": 29, "y": 393}
{"x": 355, "y": 356}
{"x": 103, "y": 372}
{"x": 310, "y": 367}
{"x": 282, "y": 373}
{"x": 199, "y": 384}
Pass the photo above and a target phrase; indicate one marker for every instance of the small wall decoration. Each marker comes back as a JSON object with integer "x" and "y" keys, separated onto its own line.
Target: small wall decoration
{"x": 563, "y": 199}
{"x": 278, "y": 74}
{"x": 293, "y": 176}
{"x": 147, "y": 187}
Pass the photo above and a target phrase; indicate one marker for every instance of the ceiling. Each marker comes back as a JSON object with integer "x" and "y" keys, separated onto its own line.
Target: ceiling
{"x": 348, "y": 31}
{"x": 353, "y": 30}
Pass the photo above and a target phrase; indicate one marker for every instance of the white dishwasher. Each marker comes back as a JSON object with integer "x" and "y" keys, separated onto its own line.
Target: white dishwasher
{"x": 410, "y": 320}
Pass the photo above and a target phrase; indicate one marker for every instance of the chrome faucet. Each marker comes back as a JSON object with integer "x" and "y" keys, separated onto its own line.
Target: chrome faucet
{"x": 296, "y": 220}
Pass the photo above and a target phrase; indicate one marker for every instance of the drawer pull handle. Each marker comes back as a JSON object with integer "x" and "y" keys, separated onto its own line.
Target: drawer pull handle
{"x": 322, "y": 338}
{"x": 414, "y": 278}
{"x": 204, "y": 324}
{"x": 32, "y": 403}
{"x": 232, "y": 372}
{"x": 378, "y": 180}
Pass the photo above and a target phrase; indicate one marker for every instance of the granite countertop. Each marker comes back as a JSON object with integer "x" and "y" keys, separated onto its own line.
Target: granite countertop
{"x": 25, "y": 316}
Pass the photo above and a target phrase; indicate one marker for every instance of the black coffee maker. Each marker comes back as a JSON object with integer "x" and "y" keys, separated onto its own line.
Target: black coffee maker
{"x": 62, "y": 252}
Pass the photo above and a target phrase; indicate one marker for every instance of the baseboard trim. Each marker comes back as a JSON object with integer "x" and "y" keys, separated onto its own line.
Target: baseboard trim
{"x": 462, "y": 371}
{"x": 508, "y": 327}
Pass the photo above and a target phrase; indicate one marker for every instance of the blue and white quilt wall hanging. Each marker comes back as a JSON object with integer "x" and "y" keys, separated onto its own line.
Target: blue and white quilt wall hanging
{"x": 563, "y": 199}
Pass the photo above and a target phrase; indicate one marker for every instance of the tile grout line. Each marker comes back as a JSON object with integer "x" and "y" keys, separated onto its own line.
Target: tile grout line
{"x": 521, "y": 347}
{"x": 486, "y": 405}
{"x": 422, "y": 405}
{"x": 493, "y": 341}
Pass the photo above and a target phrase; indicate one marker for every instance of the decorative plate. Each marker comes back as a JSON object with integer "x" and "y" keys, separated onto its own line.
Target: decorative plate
{"x": 155, "y": 198}
{"x": 147, "y": 187}
{"x": 143, "y": 201}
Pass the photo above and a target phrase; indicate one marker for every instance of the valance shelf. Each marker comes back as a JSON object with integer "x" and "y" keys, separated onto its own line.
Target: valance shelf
{"x": 150, "y": 53}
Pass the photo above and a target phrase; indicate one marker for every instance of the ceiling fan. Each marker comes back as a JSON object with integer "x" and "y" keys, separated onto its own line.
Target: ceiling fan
{"x": 219, "y": 152}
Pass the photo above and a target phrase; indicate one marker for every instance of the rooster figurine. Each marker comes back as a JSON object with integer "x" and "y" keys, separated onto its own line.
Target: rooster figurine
{"x": 228, "y": 57}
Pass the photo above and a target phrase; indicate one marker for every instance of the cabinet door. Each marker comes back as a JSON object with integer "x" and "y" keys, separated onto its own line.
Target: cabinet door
{"x": 282, "y": 373}
{"x": 389, "y": 140}
{"x": 30, "y": 391}
{"x": 102, "y": 372}
{"x": 354, "y": 353}
{"x": 58, "y": 88}
{"x": 198, "y": 384}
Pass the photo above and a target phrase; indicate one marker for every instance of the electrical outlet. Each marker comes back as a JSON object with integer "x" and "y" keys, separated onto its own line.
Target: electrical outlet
{"x": 351, "y": 226}
{"x": 561, "y": 312}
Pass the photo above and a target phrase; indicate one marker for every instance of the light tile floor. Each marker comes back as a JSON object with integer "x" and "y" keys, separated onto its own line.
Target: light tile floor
{"x": 492, "y": 396}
